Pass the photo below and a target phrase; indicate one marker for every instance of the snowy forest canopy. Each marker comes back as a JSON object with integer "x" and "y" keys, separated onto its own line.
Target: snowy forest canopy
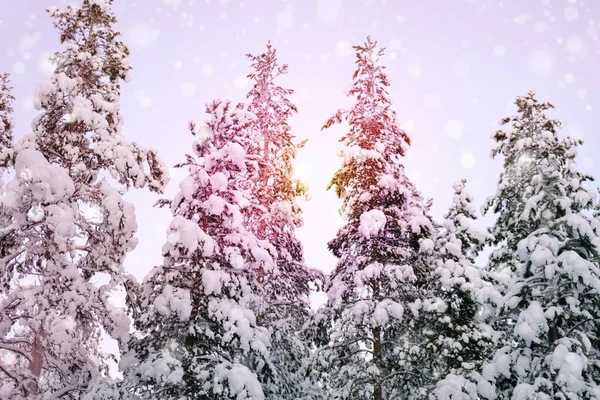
{"x": 412, "y": 312}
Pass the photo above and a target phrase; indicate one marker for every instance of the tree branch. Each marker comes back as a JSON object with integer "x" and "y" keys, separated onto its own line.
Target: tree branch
{"x": 15, "y": 349}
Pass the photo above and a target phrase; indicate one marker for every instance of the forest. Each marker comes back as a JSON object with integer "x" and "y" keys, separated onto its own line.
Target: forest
{"x": 413, "y": 311}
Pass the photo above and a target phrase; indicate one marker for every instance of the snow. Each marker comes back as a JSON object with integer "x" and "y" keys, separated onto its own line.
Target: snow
{"x": 203, "y": 135}
{"x": 570, "y": 367}
{"x": 371, "y": 223}
{"x": 455, "y": 387}
{"x": 387, "y": 182}
{"x": 163, "y": 369}
{"x": 242, "y": 383}
{"x": 188, "y": 234}
{"x": 215, "y": 205}
{"x": 531, "y": 323}
{"x": 371, "y": 272}
{"x": 36, "y": 214}
{"x": 174, "y": 300}
{"x": 236, "y": 154}
{"x": 61, "y": 221}
{"x": 46, "y": 183}
{"x": 213, "y": 281}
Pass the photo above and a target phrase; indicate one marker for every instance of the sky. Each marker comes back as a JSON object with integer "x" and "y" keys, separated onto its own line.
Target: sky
{"x": 455, "y": 67}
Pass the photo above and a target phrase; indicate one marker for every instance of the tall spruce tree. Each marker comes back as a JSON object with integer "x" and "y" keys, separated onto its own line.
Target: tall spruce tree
{"x": 6, "y": 124}
{"x": 6, "y": 160}
{"x": 287, "y": 286}
{"x": 375, "y": 289}
{"x": 72, "y": 229}
{"x": 550, "y": 243}
{"x": 199, "y": 336}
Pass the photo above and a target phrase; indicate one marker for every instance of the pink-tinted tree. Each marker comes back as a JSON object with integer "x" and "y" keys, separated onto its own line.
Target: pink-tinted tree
{"x": 71, "y": 226}
{"x": 199, "y": 336}
{"x": 288, "y": 284}
{"x": 375, "y": 289}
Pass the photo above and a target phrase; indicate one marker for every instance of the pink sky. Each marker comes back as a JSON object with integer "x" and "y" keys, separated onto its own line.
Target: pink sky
{"x": 455, "y": 67}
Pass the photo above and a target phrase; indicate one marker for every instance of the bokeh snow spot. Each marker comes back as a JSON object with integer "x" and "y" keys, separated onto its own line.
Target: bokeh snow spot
{"x": 431, "y": 100}
{"x": 188, "y": 89}
{"x": 142, "y": 35}
{"x": 206, "y": 70}
{"x": 285, "y": 19}
{"x": 241, "y": 82}
{"x": 343, "y": 48}
{"x": 329, "y": 10}
{"x": 455, "y": 129}
{"x": 569, "y": 78}
{"x": 171, "y": 3}
{"x": 144, "y": 100}
{"x": 575, "y": 46}
{"x": 467, "y": 160}
{"x": 19, "y": 67}
{"x": 541, "y": 62}
{"x": 499, "y": 51}
{"x": 414, "y": 67}
{"x": 571, "y": 14}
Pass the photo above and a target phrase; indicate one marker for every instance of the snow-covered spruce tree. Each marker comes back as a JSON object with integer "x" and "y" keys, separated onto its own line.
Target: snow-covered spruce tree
{"x": 551, "y": 239}
{"x": 375, "y": 289}
{"x": 459, "y": 342}
{"x": 286, "y": 285}
{"x": 198, "y": 332}
{"x": 6, "y": 131}
{"x": 72, "y": 228}
{"x": 6, "y": 158}
{"x": 7, "y": 245}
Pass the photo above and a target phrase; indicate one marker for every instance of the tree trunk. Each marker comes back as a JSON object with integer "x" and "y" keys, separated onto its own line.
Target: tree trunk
{"x": 36, "y": 363}
{"x": 377, "y": 393}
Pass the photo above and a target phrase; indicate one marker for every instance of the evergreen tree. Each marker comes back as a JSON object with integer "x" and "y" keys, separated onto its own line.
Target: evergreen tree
{"x": 287, "y": 285}
{"x": 551, "y": 241}
{"x": 6, "y": 128}
{"x": 6, "y": 160}
{"x": 72, "y": 228}
{"x": 199, "y": 337}
{"x": 375, "y": 289}
{"x": 459, "y": 341}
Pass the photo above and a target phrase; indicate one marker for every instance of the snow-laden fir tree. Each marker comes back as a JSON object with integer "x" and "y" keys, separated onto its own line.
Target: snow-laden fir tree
{"x": 375, "y": 289}
{"x": 286, "y": 285}
{"x": 6, "y": 155}
{"x": 6, "y": 124}
{"x": 459, "y": 341}
{"x": 199, "y": 337}
{"x": 72, "y": 228}
{"x": 551, "y": 242}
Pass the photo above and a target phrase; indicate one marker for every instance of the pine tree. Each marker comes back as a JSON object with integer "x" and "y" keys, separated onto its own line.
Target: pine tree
{"x": 458, "y": 340}
{"x": 287, "y": 285}
{"x": 551, "y": 241}
{"x": 199, "y": 337}
{"x": 6, "y": 124}
{"x": 6, "y": 160}
{"x": 374, "y": 291}
{"x": 71, "y": 227}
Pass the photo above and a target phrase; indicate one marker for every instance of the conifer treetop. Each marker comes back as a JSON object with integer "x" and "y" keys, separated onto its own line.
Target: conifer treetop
{"x": 372, "y": 112}
{"x": 79, "y": 103}
{"x": 533, "y": 152}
